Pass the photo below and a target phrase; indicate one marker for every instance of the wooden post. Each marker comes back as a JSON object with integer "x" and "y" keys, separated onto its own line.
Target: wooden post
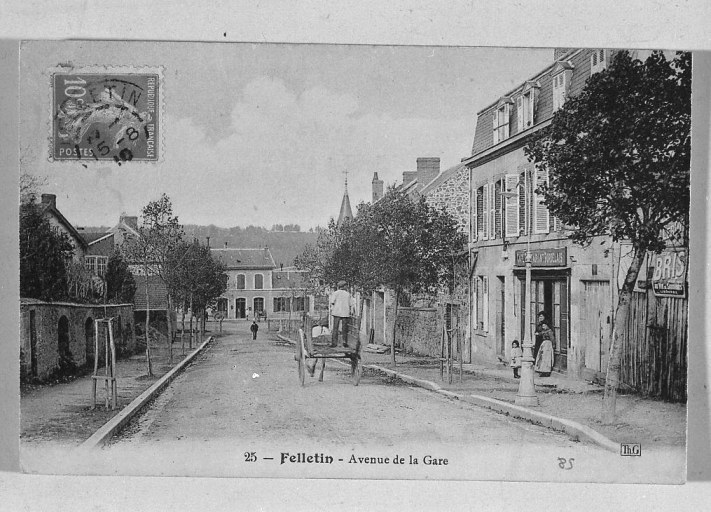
{"x": 114, "y": 387}
{"x": 96, "y": 364}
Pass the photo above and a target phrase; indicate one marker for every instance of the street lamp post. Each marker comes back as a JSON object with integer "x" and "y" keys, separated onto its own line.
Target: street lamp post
{"x": 526, "y": 388}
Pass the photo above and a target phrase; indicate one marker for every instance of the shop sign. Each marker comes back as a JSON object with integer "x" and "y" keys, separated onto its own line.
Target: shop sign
{"x": 668, "y": 269}
{"x": 544, "y": 257}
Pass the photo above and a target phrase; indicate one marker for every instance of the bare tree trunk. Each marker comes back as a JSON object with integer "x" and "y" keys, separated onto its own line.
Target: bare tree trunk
{"x": 182, "y": 330}
{"x": 170, "y": 329}
{"x": 191, "y": 322}
{"x": 148, "y": 323}
{"x": 622, "y": 312}
{"x": 397, "y": 299}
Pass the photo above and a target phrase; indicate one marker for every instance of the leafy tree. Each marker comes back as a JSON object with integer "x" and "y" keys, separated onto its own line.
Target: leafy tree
{"x": 195, "y": 278}
{"x": 120, "y": 284}
{"x": 618, "y": 160}
{"x": 44, "y": 255}
{"x": 157, "y": 238}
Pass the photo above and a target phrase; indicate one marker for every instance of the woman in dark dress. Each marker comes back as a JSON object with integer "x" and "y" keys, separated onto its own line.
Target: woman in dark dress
{"x": 542, "y": 320}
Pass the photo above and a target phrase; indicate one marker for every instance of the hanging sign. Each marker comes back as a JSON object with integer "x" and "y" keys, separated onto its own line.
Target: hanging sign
{"x": 543, "y": 258}
{"x": 669, "y": 272}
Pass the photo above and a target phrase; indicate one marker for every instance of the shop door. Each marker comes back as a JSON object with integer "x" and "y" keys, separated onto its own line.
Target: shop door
{"x": 240, "y": 307}
{"x": 550, "y": 295}
{"x": 595, "y": 323}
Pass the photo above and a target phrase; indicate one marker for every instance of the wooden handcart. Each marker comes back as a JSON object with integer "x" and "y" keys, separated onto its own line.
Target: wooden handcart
{"x": 307, "y": 348}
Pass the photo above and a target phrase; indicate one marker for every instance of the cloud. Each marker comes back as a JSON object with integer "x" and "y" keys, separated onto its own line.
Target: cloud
{"x": 284, "y": 156}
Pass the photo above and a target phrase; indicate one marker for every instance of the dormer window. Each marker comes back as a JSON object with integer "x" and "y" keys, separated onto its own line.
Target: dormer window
{"x": 525, "y": 106}
{"x": 598, "y": 61}
{"x": 561, "y": 75}
{"x": 502, "y": 118}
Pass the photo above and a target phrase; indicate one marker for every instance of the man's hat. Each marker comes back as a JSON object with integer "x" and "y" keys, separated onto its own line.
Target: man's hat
{"x": 341, "y": 283}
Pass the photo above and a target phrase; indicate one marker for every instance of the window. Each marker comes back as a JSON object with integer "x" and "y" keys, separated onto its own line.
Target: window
{"x": 597, "y": 61}
{"x": 540, "y": 210}
{"x": 511, "y": 205}
{"x": 96, "y": 264}
{"x": 301, "y": 304}
{"x": 240, "y": 281}
{"x": 502, "y": 116}
{"x": 488, "y": 211}
{"x": 525, "y": 104}
{"x": 281, "y": 304}
{"x": 258, "y": 281}
{"x": 559, "y": 88}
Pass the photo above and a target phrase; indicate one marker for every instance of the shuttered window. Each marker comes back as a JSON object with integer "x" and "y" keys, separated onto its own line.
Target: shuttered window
{"x": 541, "y": 216}
{"x": 480, "y": 213}
{"x": 485, "y": 212}
{"x": 497, "y": 208}
{"x": 502, "y": 117}
{"x": 559, "y": 90}
{"x": 598, "y": 61}
{"x": 512, "y": 205}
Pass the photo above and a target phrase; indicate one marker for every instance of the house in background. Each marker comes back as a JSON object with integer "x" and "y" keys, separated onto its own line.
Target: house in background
{"x": 255, "y": 285}
{"x": 58, "y": 221}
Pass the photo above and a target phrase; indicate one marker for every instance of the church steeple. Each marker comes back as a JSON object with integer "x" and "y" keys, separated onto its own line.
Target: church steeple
{"x": 346, "y": 212}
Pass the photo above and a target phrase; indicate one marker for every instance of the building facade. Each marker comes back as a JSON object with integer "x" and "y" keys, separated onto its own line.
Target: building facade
{"x": 256, "y": 285}
{"x": 575, "y": 286}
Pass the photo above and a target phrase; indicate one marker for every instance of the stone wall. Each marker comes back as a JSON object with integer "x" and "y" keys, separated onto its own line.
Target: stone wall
{"x": 417, "y": 331}
{"x": 453, "y": 195}
{"x": 42, "y": 322}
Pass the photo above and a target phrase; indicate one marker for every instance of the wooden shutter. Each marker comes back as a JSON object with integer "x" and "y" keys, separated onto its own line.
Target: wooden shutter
{"x": 522, "y": 204}
{"x": 519, "y": 114}
{"x": 485, "y": 211}
{"x": 492, "y": 212}
{"x": 531, "y": 107}
{"x": 541, "y": 215}
{"x": 507, "y": 120}
{"x": 496, "y": 126}
{"x": 474, "y": 221}
{"x": 480, "y": 213}
{"x": 498, "y": 207}
{"x": 512, "y": 209}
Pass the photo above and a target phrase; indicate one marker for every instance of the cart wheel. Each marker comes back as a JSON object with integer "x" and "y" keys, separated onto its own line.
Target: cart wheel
{"x": 356, "y": 370}
{"x": 301, "y": 362}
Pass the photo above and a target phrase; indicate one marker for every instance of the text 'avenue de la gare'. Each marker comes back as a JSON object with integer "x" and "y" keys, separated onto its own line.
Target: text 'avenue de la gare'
{"x": 320, "y": 458}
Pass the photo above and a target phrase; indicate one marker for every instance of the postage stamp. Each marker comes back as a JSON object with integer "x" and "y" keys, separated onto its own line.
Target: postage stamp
{"x": 105, "y": 115}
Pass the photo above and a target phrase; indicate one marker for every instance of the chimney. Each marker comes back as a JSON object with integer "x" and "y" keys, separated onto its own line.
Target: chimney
{"x": 225, "y": 245}
{"x": 130, "y": 221}
{"x": 377, "y": 187}
{"x": 208, "y": 242}
{"x": 427, "y": 169}
{"x": 50, "y": 199}
{"x": 408, "y": 177}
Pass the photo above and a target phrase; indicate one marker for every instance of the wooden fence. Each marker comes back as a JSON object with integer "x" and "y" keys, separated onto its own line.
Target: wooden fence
{"x": 654, "y": 361}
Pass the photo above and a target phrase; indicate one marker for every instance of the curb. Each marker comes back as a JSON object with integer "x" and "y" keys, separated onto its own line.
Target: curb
{"x": 111, "y": 427}
{"x": 570, "y": 427}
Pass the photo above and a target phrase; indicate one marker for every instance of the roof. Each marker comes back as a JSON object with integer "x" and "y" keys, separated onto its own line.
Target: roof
{"x": 577, "y": 61}
{"x": 288, "y": 279}
{"x": 157, "y": 294}
{"x": 93, "y": 237}
{"x": 244, "y": 258}
{"x": 48, "y": 208}
{"x": 346, "y": 212}
{"x": 441, "y": 178}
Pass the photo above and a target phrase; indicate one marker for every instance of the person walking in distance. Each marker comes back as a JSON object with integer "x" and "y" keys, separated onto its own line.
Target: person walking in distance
{"x": 341, "y": 312}
{"x": 254, "y": 328}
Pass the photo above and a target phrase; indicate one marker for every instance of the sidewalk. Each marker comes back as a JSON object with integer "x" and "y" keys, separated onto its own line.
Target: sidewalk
{"x": 61, "y": 413}
{"x": 653, "y": 423}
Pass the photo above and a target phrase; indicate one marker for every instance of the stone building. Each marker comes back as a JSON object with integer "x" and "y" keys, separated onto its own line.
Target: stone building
{"x": 256, "y": 284}
{"x": 577, "y": 287}
{"x": 56, "y": 335}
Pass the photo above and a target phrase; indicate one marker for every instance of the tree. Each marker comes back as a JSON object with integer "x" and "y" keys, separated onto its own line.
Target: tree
{"x": 120, "y": 284}
{"x": 44, "y": 255}
{"x": 618, "y": 161}
{"x": 195, "y": 278}
{"x": 157, "y": 238}
{"x": 399, "y": 243}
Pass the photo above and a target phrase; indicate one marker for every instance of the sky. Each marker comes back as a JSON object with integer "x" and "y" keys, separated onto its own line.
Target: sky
{"x": 263, "y": 134}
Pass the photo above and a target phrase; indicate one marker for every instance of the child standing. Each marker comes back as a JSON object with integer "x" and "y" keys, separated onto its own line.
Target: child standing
{"x": 516, "y": 355}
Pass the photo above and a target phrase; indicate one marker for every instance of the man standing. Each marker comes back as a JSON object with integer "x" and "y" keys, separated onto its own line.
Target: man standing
{"x": 254, "y": 328}
{"x": 341, "y": 312}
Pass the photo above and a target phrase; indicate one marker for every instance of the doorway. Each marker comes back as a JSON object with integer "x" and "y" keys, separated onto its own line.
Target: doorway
{"x": 240, "y": 307}
{"x": 65, "y": 355}
{"x": 33, "y": 344}
{"x": 595, "y": 323}
{"x": 89, "y": 340}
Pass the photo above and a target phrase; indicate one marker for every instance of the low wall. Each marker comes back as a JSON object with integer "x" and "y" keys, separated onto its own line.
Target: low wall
{"x": 43, "y": 325}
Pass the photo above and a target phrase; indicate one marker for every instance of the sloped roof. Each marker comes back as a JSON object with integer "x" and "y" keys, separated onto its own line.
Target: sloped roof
{"x": 157, "y": 294}
{"x": 288, "y": 279}
{"x": 92, "y": 237}
{"x": 441, "y": 178}
{"x": 346, "y": 212}
{"x": 244, "y": 258}
{"x": 48, "y": 208}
